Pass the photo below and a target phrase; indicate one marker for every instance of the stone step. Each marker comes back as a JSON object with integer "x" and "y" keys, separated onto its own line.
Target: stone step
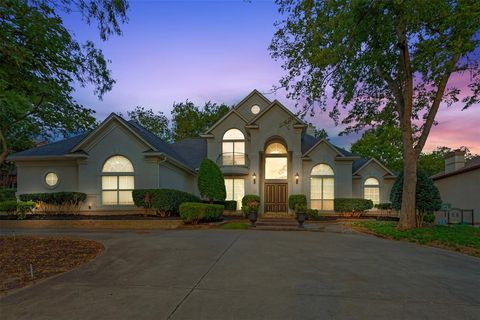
{"x": 278, "y": 228}
{"x": 277, "y": 223}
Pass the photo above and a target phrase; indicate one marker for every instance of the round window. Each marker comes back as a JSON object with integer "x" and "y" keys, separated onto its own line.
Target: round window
{"x": 255, "y": 109}
{"x": 51, "y": 179}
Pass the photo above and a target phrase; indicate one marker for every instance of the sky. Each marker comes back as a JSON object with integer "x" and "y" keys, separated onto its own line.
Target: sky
{"x": 171, "y": 51}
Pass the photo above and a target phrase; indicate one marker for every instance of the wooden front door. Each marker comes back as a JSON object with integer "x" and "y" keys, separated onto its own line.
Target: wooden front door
{"x": 275, "y": 197}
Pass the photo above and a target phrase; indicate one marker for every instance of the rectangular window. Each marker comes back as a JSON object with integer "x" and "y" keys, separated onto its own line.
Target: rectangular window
{"x": 322, "y": 191}
{"x": 117, "y": 190}
{"x": 372, "y": 193}
{"x": 233, "y": 153}
{"x": 235, "y": 188}
{"x": 276, "y": 168}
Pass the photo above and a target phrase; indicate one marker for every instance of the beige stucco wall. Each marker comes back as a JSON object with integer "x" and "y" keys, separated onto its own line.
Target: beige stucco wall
{"x": 462, "y": 191}
{"x": 373, "y": 170}
{"x": 244, "y": 108}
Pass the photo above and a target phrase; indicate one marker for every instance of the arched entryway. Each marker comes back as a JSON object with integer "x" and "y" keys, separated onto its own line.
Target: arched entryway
{"x": 276, "y": 176}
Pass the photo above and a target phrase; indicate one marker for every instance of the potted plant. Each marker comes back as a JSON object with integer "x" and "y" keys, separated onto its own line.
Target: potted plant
{"x": 250, "y": 209}
{"x": 300, "y": 214}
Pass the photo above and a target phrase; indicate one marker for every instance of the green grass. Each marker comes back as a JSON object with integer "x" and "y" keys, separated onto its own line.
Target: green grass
{"x": 454, "y": 236}
{"x": 235, "y": 225}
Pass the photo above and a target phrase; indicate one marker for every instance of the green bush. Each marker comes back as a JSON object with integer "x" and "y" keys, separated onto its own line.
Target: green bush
{"x": 429, "y": 217}
{"x": 352, "y": 205}
{"x": 194, "y": 212}
{"x": 384, "y": 206}
{"x": 297, "y": 199}
{"x": 250, "y": 204}
{"x": 230, "y": 205}
{"x": 23, "y": 208}
{"x": 250, "y": 198}
{"x": 7, "y": 194}
{"x": 164, "y": 201}
{"x": 56, "y": 198}
{"x": 8, "y": 206}
{"x": 312, "y": 214}
{"x": 211, "y": 183}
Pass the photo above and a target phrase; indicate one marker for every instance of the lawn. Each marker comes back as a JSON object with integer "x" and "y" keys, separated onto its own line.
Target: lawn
{"x": 460, "y": 238}
{"x": 235, "y": 225}
{"x": 47, "y": 256}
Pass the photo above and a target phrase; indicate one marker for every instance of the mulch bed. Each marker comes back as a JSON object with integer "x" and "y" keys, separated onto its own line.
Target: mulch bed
{"x": 89, "y": 217}
{"x": 47, "y": 255}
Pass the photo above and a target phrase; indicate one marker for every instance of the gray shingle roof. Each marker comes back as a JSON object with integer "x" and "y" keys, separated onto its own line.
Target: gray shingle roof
{"x": 357, "y": 164}
{"x": 309, "y": 141}
{"x": 58, "y": 148}
{"x": 193, "y": 150}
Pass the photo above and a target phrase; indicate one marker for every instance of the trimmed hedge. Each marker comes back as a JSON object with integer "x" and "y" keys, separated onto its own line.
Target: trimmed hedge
{"x": 194, "y": 212}
{"x": 249, "y": 198}
{"x": 230, "y": 205}
{"x": 384, "y": 206}
{"x": 297, "y": 199}
{"x": 352, "y": 204}
{"x": 8, "y": 206}
{"x": 55, "y": 198}
{"x": 166, "y": 201}
{"x": 7, "y": 194}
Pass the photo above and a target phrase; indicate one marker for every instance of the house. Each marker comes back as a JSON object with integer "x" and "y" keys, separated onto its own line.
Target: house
{"x": 459, "y": 184}
{"x": 261, "y": 147}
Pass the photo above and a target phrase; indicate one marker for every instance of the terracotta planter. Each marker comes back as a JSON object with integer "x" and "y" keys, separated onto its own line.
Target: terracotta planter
{"x": 301, "y": 217}
{"x": 253, "y": 216}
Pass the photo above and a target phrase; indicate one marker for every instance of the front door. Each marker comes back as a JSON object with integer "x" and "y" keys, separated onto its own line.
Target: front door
{"x": 275, "y": 197}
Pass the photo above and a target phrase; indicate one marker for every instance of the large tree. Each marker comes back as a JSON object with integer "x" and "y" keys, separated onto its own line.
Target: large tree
{"x": 41, "y": 63}
{"x": 382, "y": 59}
{"x": 157, "y": 123}
{"x": 190, "y": 120}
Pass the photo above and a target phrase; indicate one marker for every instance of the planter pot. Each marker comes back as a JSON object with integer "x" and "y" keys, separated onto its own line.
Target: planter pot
{"x": 252, "y": 216}
{"x": 301, "y": 217}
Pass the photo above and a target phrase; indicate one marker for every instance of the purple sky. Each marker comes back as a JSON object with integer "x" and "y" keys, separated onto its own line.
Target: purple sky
{"x": 171, "y": 51}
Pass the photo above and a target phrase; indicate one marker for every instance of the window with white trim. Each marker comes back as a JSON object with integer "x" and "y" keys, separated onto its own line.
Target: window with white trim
{"x": 276, "y": 161}
{"x": 118, "y": 181}
{"x": 235, "y": 188}
{"x": 322, "y": 187}
{"x": 371, "y": 190}
{"x": 233, "y": 148}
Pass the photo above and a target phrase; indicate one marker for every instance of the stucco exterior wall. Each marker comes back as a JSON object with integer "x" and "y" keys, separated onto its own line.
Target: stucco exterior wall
{"x": 372, "y": 170}
{"x": 245, "y": 107}
{"x": 462, "y": 191}
{"x": 172, "y": 177}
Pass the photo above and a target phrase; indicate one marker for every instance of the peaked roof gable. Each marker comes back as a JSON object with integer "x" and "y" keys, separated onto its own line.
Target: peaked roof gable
{"x": 319, "y": 142}
{"x": 276, "y": 103}
{"x": 366, "y": 163}
{"x": 216, "y": 124}
{"x": 255, "y": 92}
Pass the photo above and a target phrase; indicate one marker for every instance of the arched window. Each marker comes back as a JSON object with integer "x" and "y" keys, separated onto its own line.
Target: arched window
{"x": 322, "y": 187}
{"x": 276, "y": 161}
{"x": 117, "y": 181}
{"x": 371, "y": 190}
{"x": 233, "y": 148}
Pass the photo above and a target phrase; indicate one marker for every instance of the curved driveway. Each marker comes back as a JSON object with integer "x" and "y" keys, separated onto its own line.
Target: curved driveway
{"x": 214, "y": 274}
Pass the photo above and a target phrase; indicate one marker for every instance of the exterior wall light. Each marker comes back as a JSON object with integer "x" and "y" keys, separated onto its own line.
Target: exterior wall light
{"x": 254, "y": 178}
{"x": 296, "y": 178}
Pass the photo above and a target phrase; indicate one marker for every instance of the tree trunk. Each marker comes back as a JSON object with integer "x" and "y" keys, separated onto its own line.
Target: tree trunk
{"x": 407, "y": 214}
{"x": 5, "y": 151}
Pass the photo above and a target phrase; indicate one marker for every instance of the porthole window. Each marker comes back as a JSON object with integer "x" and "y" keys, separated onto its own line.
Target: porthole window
{"x": 51, "y": 179}
{"x": 255, "y": 109}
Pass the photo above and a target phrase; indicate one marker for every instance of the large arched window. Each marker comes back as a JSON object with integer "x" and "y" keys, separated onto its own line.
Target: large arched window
{"x": 233, "y": 148}
{"x": 322, "y": 187}
{"x": 117, "y": 181}
{"x": 371, "y": 190}
{"x": 276, "y": 161}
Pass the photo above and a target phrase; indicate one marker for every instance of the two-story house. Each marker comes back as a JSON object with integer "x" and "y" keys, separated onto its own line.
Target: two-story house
{"x": 260, "y": 146}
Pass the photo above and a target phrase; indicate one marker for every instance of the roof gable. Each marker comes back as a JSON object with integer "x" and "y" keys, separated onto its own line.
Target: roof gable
{"x": 359, "y": 167}
{"x": 323, "y": 141}
{"x": 216, "y": 124}
{"x": 277, "y": 104}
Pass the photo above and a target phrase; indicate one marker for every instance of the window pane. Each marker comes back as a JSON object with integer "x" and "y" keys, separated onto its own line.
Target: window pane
{"x": 239, "y": 191}
{"x": 327, "y": 205}
{"x": 316, "y": 204}
{"x": 328, "y": 188}
{"x": 227, "y": 147}
{"x": 118, "y": 164}
{"x": 371, "y": 182}
{"x": 276, "y": 148}
{"x": 275, "y": 168}
{"x": 126, "y": 182}
{"x": 109, "y": 197}
{"x": 316, "y": 188}
{"x": 233, "y": 134}
{"x": 229, "y": 188}
{"x": 322, "y": 170}
{"x": 125, "y": 197}
{"x": 372, "y": 193}
{"x": 109, "y": 182}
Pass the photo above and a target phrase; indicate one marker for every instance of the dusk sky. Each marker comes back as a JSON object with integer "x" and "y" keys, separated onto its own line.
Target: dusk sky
{"x": 216, "y": 51}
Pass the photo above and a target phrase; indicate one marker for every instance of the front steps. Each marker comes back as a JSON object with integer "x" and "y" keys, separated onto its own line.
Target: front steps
{"x": 278, "y": 224}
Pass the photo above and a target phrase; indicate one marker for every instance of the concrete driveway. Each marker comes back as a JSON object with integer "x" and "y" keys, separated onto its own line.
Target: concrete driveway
{"x": 207, "y": 274}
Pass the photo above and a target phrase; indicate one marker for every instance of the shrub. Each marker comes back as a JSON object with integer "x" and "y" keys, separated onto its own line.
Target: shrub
{"x": 249, "y": 198}
{"x": 427, "y": 196}
{"x": 7, "y": 194}
{"x": 211, "y": 183}
{"x": 429, "y": 217}
{"x": 23, "y": 208}
{"x": 312, "y": 214}
{"x": 54, "y": 202}
{"x": 230, "y": 205}
{"x": 297, "y": 199}
{"x": 250, "y": 204}
{"x": 384, "y": 206}
{"x": 194, "y": 212}
{"x": 165, "y": 202}
{"x": 8, "y": 206}
{"x": 355, "y": 206}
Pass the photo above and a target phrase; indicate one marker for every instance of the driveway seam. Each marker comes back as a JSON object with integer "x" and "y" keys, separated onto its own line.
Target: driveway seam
{"x": 202, "y": 277}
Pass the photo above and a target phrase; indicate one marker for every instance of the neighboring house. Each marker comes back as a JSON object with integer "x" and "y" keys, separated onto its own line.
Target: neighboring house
{"x": 260, "y": 146}
{"x": 459, "y": 184}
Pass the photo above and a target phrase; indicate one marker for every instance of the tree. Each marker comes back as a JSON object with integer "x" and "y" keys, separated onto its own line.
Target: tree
{"x": 319, "y": 133}
{"x": 427, "y": 196}
{"x": 383, "y": 60}
{"x": 434, "y": 162}
{"x": 157, "y": 123}
{"x": 189, "y": 120}
{"x": 40, "y": 61}
{"x": 383, "y": 143}
{"x": 211, "y": 183}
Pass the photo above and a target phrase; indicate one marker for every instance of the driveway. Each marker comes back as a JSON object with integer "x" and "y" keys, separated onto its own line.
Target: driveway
{"x": 215, "y": 274}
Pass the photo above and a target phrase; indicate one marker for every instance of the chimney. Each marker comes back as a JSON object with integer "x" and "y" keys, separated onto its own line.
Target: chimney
{"x": 311, "y": 130}
{"x": 454, "y": 160}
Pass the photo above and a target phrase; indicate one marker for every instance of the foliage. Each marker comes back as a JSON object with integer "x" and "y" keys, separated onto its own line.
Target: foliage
{"x": 454, "y": 237}
{"x": 23, "y": 208}
{"x": 312, "y": 214}
{"x": 156, "y": 123}
{"x": 56, "y": 202}
{"x": 211, "y": 183}
{"x": 230, "y": 205}
{"x": 8, "y": 206}
{"x": 300, "y": 208}
{"x": 7, "y": 194}
{"x": 434, "y": 162}
{"x": 429, "y": 217}
{"x": 235, "y": 226}
{"x": 189, "y": 120}
{"x": 250, "y": 204}
{"x": 248, "y": 198}
{"x": 353, "y": 205}
{"x": 41, "y": 61}
{"x": 193, "y": 212}
{"x": 165, "y": 202}
{"x": 384, "y": 206}
{"x": 382, "y": 61}
{"x": 296, "y": 199}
